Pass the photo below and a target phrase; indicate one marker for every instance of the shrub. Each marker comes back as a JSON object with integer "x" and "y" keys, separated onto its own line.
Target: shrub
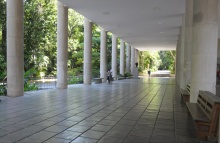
{"x": 127, "y": 74}
{"x": 3, "y": 90}
{"x": 75, "y": 80}
{"x": 30, "y": 86}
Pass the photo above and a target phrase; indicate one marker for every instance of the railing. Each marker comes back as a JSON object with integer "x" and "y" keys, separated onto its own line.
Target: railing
{"x": 47, "y": 82}
{"x": 39, "y": 83}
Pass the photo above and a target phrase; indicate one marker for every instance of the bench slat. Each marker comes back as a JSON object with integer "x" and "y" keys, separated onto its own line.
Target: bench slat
{"x": 197, "y": 112}
{"x": 210, "y": 97}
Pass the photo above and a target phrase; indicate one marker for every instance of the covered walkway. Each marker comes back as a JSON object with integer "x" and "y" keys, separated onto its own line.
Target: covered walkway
{"x": 132, "y": 110}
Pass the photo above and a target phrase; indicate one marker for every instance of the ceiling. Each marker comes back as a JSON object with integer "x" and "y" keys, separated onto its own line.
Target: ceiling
{"x": 144, "y": 24}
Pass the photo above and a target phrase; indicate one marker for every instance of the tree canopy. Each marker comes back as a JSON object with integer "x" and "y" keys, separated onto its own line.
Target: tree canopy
{"x": 40, "y": 42}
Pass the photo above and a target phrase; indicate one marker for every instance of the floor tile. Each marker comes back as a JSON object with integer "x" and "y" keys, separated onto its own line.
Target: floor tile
{"x": 101, "y": 128}
{"x": 69, "y": 135}
{"x": 161, "y": 139}
{"x": 93, "y": 134}
{"x": 67, "y": 123}
{"x": 78, "y": 128}
{"x": 43, "y": 135}
{"x": 84, "y": 140}
{"x": 57, "y": 140}
{"x": 56, "y": 128}
{"x": 137, "y": 139}
{"x": 128, "y": 110}
{"x": 107, "y": 139}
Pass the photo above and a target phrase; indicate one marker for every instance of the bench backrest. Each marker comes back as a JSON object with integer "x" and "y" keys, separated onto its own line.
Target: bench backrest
{"x": 208, "y": 102}
{"x": 188, "y": 87}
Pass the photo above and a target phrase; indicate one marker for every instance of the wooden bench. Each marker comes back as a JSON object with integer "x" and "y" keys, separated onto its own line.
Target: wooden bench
{"x": 97, "y": 80}
{"x": 185, "y": 93}
{"x": 205, "y": 114}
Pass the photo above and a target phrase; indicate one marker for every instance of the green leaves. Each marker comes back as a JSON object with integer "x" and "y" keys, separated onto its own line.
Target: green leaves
{"x": 40, "y": 39}
{"x": 157, "y": 60}
{"x": 39, "y": 34}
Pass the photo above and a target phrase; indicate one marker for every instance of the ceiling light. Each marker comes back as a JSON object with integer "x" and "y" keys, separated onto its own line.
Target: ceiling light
{"x": 161, "y": 32}
{"x": 161, "y": 22}
{"x": 105, "y": 13}
{"x": 156, "y": 8}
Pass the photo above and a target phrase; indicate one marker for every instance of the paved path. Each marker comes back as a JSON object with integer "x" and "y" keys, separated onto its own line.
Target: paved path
{"x": 131, "y": 111}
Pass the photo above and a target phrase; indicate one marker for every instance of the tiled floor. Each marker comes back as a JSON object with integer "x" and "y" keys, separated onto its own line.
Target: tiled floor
{"x": 129, "y": 111}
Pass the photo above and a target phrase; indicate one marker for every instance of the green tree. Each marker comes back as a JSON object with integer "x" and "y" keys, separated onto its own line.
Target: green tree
{"x": 2, "y": 38}
{"x": 168, "y": 60}
{"x": 149, "y": 60}
{"x": 40, "y": 35}
{"x": 75, "y": 43}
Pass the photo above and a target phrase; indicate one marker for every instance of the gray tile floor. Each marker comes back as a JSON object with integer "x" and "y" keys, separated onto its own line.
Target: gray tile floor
{"x": 129, "y": 111}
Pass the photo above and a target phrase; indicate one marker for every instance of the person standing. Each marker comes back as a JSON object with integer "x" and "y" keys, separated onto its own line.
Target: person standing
{"x": 109, "y": 75}
{"x": 149, "y": 72}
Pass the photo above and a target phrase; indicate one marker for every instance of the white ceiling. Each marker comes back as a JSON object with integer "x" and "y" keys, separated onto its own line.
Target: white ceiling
{"x": 144, "y": 24}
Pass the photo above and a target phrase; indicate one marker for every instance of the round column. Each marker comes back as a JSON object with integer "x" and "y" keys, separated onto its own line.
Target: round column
{"x": 62, "y": 45}
{"x": 128, "y": 58}
{"x": 87, "y": 65}
{"x": 188, "y": 41}
{"x": 15, "y": 49}
{"x": 132, "y": 60}
{"x": 218, "y": 55}
{"x": 103, "y": 55}
{"x": 114, "y": 56}
{"x": 204, "y": 53}
{"x": 122, "y": 57}
{"x": 178, "y": 62}
{"x": 182, "y": 48}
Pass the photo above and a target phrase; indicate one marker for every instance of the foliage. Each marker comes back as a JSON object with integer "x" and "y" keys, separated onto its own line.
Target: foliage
{"x": 148, "y": 60}
{"x": 28, "y": 86}
{"x": 75, "y": 80}
{"x": 3, "y": 90}
{"x": 40, "y": 44}
{"x": 30, "y": 73}
{"x": 128, "y": 75}
{"x": 3, "y": 38}
{"x": 168, "y": 60}
{"x": 40, "y": 35}
{"x": 156, "y": 60}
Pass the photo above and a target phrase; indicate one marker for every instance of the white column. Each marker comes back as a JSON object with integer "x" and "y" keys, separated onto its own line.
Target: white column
{"x": 182, "y": 47}
{"x": 218, "y": 52}
{"x": 132, "y": 60}
{"x": 122, "y": 57}
{"x": 178, "y": 61}
{"x": 103, "y": 55}
{"x": 176, "y": 65}
{"x": 62, "y": 45}
{"x": 87, "y": 65}
{"x": 15, "y": 49}
{"x": 128, "y": 58}
{"x": 218, "y": 60}
{"x": 188, "y": 41}
{"x": 114, "y": 56}
{"x": 204, "y": 53}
